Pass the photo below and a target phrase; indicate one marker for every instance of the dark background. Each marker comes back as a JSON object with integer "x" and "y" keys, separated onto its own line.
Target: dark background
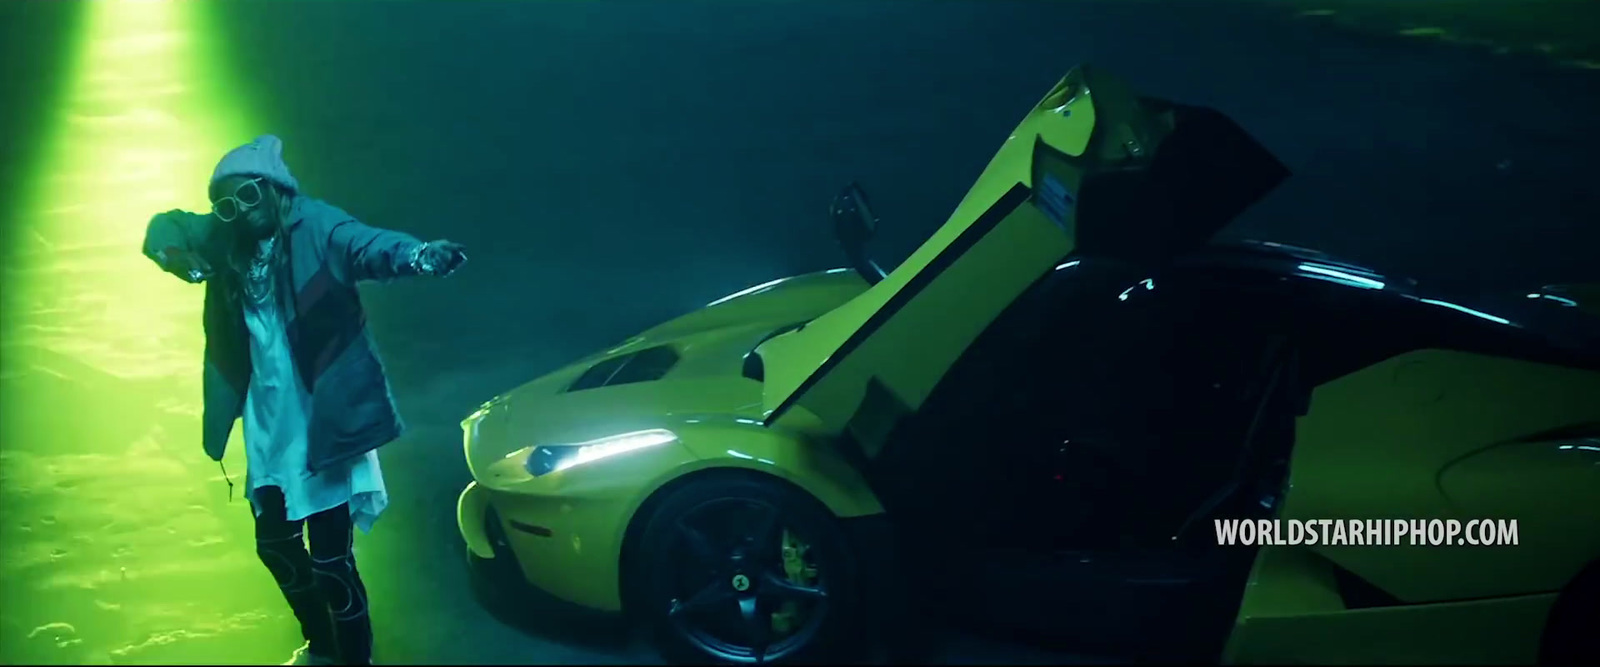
{"x": 613, "y": 164}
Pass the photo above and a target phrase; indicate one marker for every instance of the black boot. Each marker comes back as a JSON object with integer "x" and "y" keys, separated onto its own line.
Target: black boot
{"x": 316, "y": 626}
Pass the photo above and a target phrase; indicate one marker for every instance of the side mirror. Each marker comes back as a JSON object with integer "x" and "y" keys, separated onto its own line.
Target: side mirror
{"x": 853, "y": 225}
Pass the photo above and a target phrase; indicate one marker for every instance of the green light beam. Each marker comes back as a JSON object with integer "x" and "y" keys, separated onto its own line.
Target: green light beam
{"x": 120, "y": 544}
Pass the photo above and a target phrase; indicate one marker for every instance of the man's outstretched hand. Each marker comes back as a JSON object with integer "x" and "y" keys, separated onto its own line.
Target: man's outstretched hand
{"x": 440, "y": 258}
{"x": 187, "y": 265}
{"x": 166, "y": 242}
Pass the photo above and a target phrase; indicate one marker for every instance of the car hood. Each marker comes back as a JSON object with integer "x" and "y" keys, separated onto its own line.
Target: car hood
{"x": 776, "y": 303}
{"x": 711, "y": 344}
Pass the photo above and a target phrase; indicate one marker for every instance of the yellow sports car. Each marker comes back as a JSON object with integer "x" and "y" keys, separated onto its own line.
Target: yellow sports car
{"x": 1038, "y": 419}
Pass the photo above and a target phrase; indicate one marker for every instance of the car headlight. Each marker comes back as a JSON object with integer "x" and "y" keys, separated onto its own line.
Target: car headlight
{"x": 546, "y": 459}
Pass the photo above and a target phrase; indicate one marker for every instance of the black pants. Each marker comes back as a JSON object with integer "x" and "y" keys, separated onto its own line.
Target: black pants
{"x": 323, "y": 587}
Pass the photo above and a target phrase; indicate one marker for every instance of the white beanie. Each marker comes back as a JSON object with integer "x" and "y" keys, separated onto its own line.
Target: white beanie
{"x": 262, "y": 157}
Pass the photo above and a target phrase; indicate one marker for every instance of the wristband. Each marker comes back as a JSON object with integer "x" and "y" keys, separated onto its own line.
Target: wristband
{"x": 419, "y": 259}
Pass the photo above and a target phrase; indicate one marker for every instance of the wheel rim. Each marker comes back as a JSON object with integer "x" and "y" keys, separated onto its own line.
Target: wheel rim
{"x": 743, "y": 586}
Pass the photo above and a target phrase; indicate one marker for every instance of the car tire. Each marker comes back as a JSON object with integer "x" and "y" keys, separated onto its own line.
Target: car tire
{"x": 1570, "y": 636}
{"x": 656, "y": 574}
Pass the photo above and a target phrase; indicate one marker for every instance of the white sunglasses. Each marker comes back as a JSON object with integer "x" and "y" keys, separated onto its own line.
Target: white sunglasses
{"x": 245, "y": 197}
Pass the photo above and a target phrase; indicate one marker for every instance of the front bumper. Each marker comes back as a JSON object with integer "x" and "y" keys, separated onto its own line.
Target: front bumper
{"x": 499, "y": 584}
{"x": 564, "y": 531}
{"x": 567, "y": 546}
{"x": 472, "y": 517}
{"x": 531, "y": 547}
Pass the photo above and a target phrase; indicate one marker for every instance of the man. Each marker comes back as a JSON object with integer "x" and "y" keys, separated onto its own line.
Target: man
{"x": 288, "y": 351}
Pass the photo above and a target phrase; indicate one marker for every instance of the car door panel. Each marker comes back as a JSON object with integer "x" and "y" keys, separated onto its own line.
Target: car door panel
{"x": 1089, "y": 157}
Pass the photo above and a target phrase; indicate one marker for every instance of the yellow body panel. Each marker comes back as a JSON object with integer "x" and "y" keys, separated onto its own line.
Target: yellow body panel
{"x": 1424, "y": 435}
{"x": 471, "y": 509}
{"x": 1390, "y": 441}
{"x": 1293, "y": 615}
{"x": 817, "y": 468}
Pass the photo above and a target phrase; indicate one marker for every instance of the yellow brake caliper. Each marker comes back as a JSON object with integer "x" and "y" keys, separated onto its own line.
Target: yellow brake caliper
{"x": 796, "y": 570}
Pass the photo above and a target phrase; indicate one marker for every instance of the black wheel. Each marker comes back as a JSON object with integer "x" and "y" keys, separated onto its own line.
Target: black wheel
{"x": 1569, "y": 636}
{"x": 739, "y": 569}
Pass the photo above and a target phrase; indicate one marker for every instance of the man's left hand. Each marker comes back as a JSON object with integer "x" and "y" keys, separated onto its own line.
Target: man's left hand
{"x": 440, "y": 258}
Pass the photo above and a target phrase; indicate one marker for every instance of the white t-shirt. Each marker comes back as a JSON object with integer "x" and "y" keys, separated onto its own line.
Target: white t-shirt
{"x": 277, "y": 413}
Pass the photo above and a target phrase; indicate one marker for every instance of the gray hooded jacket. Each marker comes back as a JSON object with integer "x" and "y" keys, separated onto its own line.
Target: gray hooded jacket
{"x": 327, "y": 253}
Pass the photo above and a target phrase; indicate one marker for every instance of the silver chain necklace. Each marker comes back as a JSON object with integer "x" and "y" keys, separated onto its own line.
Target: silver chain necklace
{"x": 256, "y": 284}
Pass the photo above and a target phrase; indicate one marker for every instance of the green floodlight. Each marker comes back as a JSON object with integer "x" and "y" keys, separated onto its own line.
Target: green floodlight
{"x": 120, "y": 545}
